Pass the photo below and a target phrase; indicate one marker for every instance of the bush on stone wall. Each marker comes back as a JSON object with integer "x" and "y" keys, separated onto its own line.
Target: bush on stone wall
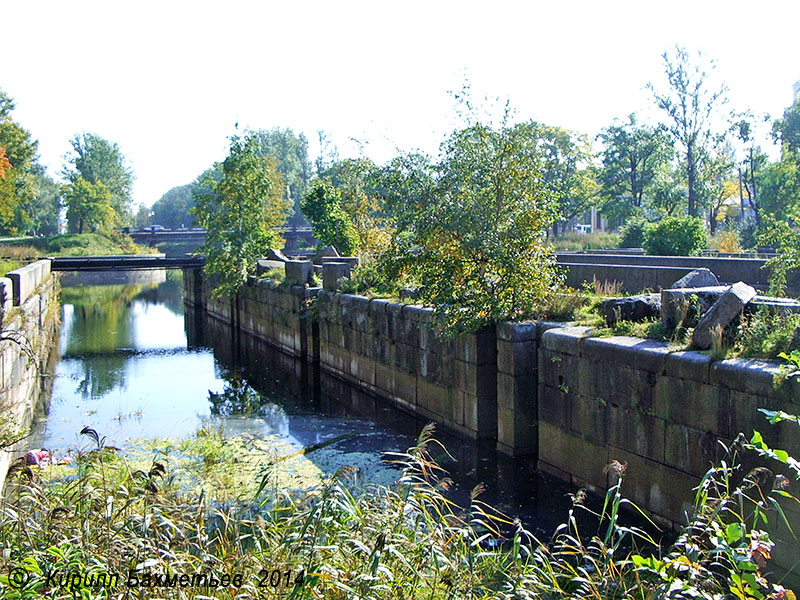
{"x": 675, "y": 236}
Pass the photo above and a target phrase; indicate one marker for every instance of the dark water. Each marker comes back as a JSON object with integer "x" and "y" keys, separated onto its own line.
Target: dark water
{"x": 135, "y": 363}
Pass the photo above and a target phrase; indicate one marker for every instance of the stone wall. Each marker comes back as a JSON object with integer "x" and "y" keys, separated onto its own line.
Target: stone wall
{"x": 394, "y": 350}
{"x": 31, "y": 318}
{"x": 662, "y": 414}
{"x": 750, "y": 270}
{"x": 573, "y": 402}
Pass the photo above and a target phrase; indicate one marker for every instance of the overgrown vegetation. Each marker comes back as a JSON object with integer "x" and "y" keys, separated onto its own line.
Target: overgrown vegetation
{"x": 597, "y": 240}
{"x": 341, "y": 540}
{"x": 241, "y": 211}
{"x": 675, "y": 236}
{"x": 72, "y": 244}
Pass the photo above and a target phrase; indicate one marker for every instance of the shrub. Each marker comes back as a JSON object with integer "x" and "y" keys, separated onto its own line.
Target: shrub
{"x": 587, "y": 241}
{"x": 675, "y": 236}
{"x": 633, "y": 233}
{"x": 726, "y": 241}
{"x": 764, "y": 335}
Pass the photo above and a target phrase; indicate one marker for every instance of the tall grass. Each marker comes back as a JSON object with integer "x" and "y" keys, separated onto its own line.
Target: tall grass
{"x": 347, "y": 541}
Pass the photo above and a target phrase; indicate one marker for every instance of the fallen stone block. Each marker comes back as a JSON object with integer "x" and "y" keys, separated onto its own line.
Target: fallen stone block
{"x": 729, "y": 306}
{"x": 273, "y": 254}
{"x": 697, "y": 279}
{"x": 775, "y": 306}
{"x": 324, "y": 253}
{"x": 632, "y": 308}
{"x": 680, "y": 305}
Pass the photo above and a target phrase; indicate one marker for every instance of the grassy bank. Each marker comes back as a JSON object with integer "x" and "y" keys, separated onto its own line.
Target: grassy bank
{"x": 71, "y": 244}
{"x": 68, "y": 536}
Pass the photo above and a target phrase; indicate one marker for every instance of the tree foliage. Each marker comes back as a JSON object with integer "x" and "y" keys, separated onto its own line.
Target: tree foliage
{"x": 290, "y": 153}
{"x": 565, "y": 167}
{"x": 331, "y": 224}
{"x": 242, "y": 211}
{"x": 633, "y": 156}
{"x": 675, "y": 236}
{"x": 173, "y": 209}
{"x": 471, "y": 227}
{"x": 97, "y": 160}
{"x": 17, "y": 179}
{"x": 89, "y": 205}
{"x": 691, "y": 106}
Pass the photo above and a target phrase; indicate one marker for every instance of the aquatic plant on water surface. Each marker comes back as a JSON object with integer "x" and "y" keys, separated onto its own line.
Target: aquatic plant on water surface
{"x": 68, "y": 536}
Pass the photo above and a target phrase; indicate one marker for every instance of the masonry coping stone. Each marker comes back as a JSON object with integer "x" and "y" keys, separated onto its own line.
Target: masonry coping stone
{"x": 565, "y": 340}
{"x": 722, "y": 313}
{"x": 690, "y": 364}
{"x": 752, "y": 375}
{"x": 516, "y": 332}
{"x": 637, "y": 353}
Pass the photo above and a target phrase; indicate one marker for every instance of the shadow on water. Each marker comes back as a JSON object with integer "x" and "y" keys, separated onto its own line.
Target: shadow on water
{"x": 138, "y": 364}
{"x": 513, "y": 486}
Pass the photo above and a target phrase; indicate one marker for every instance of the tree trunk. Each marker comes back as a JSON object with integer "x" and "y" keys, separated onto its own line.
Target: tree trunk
{"x": 692, "y": 176}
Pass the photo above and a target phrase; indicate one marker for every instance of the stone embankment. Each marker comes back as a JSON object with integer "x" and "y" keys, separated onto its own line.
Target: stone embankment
{"x": 570, "y": 401}
{"x": 29, "y": 328}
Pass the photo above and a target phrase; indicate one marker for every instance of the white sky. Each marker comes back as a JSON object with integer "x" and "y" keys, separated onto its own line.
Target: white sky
{"x": 167, "y": 80}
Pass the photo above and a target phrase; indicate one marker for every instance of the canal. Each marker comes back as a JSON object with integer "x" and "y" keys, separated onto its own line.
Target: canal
{"x": 136, "y": 364}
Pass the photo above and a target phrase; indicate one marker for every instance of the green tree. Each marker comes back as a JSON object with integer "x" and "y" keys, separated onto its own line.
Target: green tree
{"x": 173, "y": 209}
{"x": 89, "y": 205}
{"x": 473, "y": 232}
{"x": 142, "y": 218}
{"x": 691, "y": 107}
{"x": 632, "y": 156}
{"x": 97, "y": 160}
{"x": 44, "y": 207}
{"x": 18, "y": 185}
{"x": 566, "y": 169}
{"x": 290, "y": 153}
{"x": 332, "y": 226}
{"x": 242, "y": 211}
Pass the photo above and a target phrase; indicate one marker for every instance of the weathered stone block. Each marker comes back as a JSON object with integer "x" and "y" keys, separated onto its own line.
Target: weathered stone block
{"x": 637, "y": 353}
{"x": 298, "y": 272}
{"x": 589, "y": 418}
{"x": 480, "y": 415}
{"x": 516, "y": 332}
{"x": 326, "y": 252}
{"x": 574, "y": 455}
{"x": 636, "y": 432}
{"x": 554, "y": 407}
{"x": 333, "y": 273}
{"x": 698, "y": 278}
{"x": 25, "y": 280}
{"x": 729, "y": 306}
{"x": 404, "y": 386}
{"x": 663, "y": 490}
{"x": 689, "y": 450}
{"x": 479, "y": 348}
{"x": 559, "y": 370}
{"x": 753, "y": 375}
{"x": 565, "y": 340}
{"x": 517, "y": 358}
{"x": 678, "y": 305}
{"x": 436, "y": 399}
{"x": 694, "y": 404}
{"x": 689, "y": 365}
{"x": 6, "y": 294}
{"x": 631, "y": 308}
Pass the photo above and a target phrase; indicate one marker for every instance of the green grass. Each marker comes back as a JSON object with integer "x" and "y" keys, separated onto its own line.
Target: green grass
{"x": 342, "y": 540}
{"x": 589, "y": 241}
{"x": 72, "y": 244}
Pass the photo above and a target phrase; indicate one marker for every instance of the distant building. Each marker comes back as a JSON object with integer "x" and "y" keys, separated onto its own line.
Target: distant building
{"x": 796, "y": 89}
